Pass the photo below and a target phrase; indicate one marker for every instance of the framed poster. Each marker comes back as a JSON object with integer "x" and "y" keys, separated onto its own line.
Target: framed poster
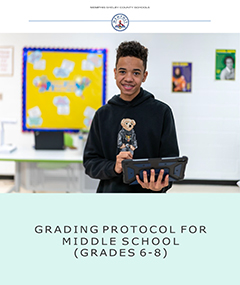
{"x": 225, "y": 64}
{"x": 62, "y": 88}
{"x": 181, "y": 77}
{"x": 6, "y": 61}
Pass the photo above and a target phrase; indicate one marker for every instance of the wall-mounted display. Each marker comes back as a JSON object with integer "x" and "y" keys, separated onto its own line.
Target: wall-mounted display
{"x": 225, "y": 64}
{"x": 181, "y": 77}
{"x": 6, "y": 61}
{"x": 62, "y": 88}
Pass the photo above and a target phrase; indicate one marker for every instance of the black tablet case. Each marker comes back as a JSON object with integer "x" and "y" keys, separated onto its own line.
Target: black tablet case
{"x": 174, "y": 166}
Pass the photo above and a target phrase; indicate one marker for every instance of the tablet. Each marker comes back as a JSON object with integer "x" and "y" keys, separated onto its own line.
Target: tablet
{"x": 174, "y": 166}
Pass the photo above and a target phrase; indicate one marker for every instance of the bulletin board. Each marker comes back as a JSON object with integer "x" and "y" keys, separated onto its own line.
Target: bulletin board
{"x": 62, "y": 88}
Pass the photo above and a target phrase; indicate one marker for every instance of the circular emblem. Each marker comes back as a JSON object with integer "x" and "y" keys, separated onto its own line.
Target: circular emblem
{"x": 120, "y": 22}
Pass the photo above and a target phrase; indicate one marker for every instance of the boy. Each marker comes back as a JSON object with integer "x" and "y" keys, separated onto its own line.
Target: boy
{"x": 132, "y": 124}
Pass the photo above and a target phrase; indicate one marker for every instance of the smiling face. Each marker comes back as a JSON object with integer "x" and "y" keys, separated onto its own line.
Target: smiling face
{"x": 229, "y": 63}
{"x": 129, "y": 75}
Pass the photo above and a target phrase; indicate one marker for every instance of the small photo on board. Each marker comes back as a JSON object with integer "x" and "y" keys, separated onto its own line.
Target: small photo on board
{"x": 225, "y": 64}
{"x": 181, "y": 77}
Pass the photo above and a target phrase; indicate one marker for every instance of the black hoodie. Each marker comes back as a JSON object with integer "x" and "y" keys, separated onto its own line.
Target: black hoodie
{"x": 154, "y": 132}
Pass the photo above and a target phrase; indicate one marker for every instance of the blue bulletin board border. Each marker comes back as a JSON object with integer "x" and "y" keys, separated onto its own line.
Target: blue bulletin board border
{"x": 24, "y": 73}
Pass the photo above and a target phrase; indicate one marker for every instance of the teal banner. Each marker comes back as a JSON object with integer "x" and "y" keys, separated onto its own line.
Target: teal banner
{"x": 119, "y": 239}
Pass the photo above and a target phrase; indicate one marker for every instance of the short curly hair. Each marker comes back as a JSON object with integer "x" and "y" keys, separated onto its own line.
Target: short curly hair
{"x": 132, "y": 48}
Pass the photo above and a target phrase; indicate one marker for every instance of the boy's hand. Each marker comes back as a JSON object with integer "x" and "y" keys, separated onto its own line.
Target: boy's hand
{"x": 132, "y": 147}
{"x": 119, "y": 158}
{"x": 152, "y": 185}
{"x": 123, "y": 146}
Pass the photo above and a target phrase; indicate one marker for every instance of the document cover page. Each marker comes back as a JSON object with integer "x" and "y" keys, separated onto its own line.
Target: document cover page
{"x": 116, "y": 81}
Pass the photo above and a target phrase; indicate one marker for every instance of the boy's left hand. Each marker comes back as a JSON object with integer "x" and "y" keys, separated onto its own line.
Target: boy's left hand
{"x": 152, "y": 185}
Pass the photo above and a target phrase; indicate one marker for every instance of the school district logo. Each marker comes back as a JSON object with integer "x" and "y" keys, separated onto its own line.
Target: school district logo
{"x": 120, "y": 22}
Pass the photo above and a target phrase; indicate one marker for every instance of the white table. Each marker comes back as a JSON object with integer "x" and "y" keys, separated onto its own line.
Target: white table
{"x": 32, "y": 155}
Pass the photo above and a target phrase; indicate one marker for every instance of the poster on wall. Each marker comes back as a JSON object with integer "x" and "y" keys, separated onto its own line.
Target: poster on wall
{"x": 6, "y": 61}
{"x": 62, "y": 88}
{"x": 225, "y": 64}
{"x": 181, "y": 77}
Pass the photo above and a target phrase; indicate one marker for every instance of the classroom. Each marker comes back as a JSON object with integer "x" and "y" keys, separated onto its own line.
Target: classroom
{"x": 206, "y": 113}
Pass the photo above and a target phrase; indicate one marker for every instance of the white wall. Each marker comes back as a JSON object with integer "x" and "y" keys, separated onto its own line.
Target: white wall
{"x": 207, "y": 119}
